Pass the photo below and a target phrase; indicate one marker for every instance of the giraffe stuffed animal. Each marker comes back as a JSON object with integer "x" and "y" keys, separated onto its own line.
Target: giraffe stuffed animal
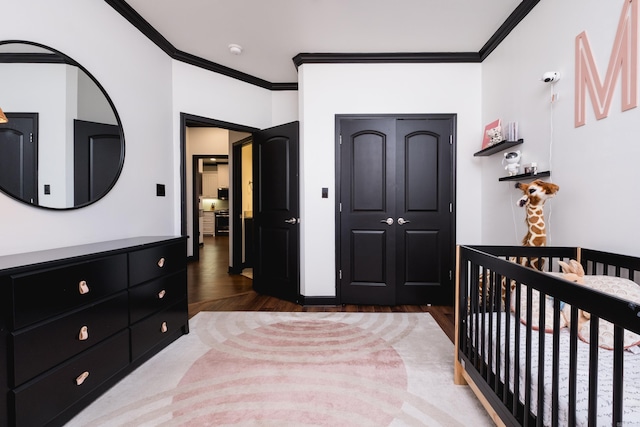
{"x": 535, "y": 195}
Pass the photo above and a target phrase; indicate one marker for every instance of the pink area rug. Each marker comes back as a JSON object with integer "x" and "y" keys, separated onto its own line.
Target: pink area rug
{"x": 295, "y": 369}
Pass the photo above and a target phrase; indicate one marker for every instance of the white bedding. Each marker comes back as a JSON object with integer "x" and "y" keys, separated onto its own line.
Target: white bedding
{"x": 631, "y": 406}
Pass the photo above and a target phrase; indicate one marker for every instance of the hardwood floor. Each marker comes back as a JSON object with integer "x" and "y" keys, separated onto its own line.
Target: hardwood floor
{"x": 212, "y": 288}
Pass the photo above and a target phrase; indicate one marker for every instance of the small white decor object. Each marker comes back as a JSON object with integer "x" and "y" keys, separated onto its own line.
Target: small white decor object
{"x": 511, "y": 162}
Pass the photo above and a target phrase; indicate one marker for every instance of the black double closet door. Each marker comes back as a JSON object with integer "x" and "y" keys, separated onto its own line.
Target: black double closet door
{"x": 396, "y": 212}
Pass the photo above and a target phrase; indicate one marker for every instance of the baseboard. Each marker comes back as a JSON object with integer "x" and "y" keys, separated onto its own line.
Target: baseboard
{"x": 332, "y": 301}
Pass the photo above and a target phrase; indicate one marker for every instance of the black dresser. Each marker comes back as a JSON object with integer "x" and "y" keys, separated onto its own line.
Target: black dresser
{"x": 76, "y": 320}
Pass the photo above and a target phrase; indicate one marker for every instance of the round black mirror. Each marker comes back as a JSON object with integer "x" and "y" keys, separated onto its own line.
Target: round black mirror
{"x": 62, "y": 146}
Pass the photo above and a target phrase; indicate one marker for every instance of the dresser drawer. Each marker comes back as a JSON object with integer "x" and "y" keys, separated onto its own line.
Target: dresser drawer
{"x": 156, "y": 295}
{"x": 45, "y": 293}
{"x": 44, "y": 346}
{"x": 147, "y": 264}
{"x": 40, "y": 400}
{"x": 157, "y": 328}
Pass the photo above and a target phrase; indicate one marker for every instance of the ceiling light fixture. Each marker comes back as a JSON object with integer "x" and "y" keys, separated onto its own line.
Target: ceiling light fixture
{"x": 3, "y": 118}
{"x": 235, "y": 49}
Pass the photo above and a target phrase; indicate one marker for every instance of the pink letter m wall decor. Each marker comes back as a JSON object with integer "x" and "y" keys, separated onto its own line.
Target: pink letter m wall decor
{"x": 623, "y": 60}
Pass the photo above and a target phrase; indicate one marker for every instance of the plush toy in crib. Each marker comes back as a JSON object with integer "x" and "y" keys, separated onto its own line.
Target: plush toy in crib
{"x": 616, "y": 286}
{"x": 573, "y": 272}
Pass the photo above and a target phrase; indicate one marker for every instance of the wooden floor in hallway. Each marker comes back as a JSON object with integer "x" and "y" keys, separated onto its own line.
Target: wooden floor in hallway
{"x": 212, "y": 288}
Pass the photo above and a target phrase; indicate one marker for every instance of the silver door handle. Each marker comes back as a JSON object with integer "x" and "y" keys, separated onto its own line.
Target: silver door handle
{"x": 291, "y": 221}
{"x": 402, "y": 221}
{"x": 389, "y": 221}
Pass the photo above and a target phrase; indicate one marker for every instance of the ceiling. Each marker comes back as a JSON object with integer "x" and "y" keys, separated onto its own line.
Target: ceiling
{"x": 273, "y": 32}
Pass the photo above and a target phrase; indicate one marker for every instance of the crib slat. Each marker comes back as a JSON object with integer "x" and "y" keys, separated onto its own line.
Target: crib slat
{"x": 499, "y": 343}
{"x": 618, "y": 379}
{"x": 465, "y": 282}
{"x": 555, "y": 374}
{"x": 483, "y": 323}
{"x": 573, "y": 361}
{"x": 541, "y": 350}
{"x": 482, "y": 354}
{"x": 489, "y": 326}
{"x": 507, "y": 344}
{"x": 516, "y": 349}
{"x": 593, "y": 370}
{"x": 527, "y": 356}
{"x": 473, "y": 327}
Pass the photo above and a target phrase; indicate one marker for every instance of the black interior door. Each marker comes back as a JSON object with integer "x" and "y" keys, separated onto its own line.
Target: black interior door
{"x": 395, "y": 225}
{"x": 276, "y": 212}
{"x": 19, "y": 156}
{"x": 97, "y": 159}
{"x": 367, "y": 199}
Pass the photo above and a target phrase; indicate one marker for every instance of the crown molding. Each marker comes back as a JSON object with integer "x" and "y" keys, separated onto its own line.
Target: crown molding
{"x": 507, "y": 26}
{"x": 220, "y": 69}
{"x": 521, "y": 11}
{"x": 127, "y": 12}
{"x": 372, "y": 58}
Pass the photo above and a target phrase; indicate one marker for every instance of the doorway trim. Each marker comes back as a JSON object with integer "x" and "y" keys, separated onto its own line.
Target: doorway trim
{"x": 236, "y": 201}
{"x": 338, "y": 118}
{"x": 191, "y": 120}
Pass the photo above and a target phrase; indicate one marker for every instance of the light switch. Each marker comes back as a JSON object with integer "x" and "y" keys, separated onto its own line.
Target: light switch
{"x": 47, "y": 189}
{"x": 325, "y": 192}
{"x": 160, "y": 190}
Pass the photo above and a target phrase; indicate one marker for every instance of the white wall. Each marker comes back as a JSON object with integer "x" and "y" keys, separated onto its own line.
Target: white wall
{"x": 214, "y": 96}
{"x": 284, "y": 105}
{"x": 596, "y": 165}
{"x": 137, "y": 76}
{"x": 327, "y": 90}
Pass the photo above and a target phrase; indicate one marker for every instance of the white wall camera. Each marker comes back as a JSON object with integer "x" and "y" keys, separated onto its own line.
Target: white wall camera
{"x": 550, "y": 77}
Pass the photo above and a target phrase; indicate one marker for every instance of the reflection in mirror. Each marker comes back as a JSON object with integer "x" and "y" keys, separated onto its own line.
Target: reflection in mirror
{"x": 62, "y": 146}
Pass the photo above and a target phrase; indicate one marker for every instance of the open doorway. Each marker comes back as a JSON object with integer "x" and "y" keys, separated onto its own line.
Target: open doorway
{"x": 206, "y": 138}
{"x": 276, "y": 217}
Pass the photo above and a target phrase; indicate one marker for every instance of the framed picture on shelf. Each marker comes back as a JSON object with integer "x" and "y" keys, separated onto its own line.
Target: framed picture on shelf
{"x": 492, "y": 134}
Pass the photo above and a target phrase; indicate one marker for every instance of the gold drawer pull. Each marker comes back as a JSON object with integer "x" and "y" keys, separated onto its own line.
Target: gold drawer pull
{"x": 161, "y": 262}
{"x": 164, "y": 328}
{"x": 83, "y": 288}
{"x": 84, "y": 333}
{"x": 83, "y": 376}
{"x": 162, "y": 293}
